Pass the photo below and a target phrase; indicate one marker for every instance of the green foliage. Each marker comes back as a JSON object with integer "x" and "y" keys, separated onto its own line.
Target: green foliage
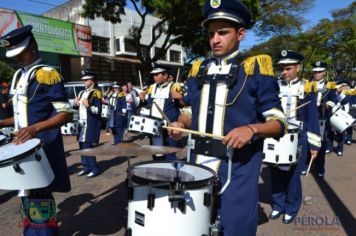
{"x": 6, "y": 72}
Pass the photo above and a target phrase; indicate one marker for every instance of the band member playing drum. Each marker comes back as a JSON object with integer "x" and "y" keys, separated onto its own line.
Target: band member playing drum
{"x": 298, "y": 99}
{"x": 160, "y": 94}
{"x": 40, "y": 108}
{"x": 89, "y": 103}
{"x": 234, "y": 96}
{"x": 326, "y": 99}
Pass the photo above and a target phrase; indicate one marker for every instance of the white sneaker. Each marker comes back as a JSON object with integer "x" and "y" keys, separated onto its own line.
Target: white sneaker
{"x": 82, "y": 172}
{"x": 287, "y": 217}
{"x": 339, "y": 154}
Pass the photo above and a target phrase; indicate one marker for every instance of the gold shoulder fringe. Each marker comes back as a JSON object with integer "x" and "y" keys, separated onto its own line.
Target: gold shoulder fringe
{"x": 310, "y": 87}
{"x": 331, "y": 85}
{"x": 264, "y": 63}
{"x": 48, "y": 76}
{"x": 97, "y": 94}
{"x": 195, "y": 68}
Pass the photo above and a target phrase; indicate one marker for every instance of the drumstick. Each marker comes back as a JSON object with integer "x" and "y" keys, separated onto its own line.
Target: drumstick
{"x": 304, "y": 104}
{"x": 310, "y": 163}
{"x": 177, "y": 78}
{"x": 140, "y": 77}
{"x": 75, "y": 93}
{"x": 189, "y": 131}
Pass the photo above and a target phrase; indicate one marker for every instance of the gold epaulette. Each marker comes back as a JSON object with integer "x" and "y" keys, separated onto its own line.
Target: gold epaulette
{"x": 121, "y": 94}
{"x": 150, "y": 88}
{"x": 331, "y": 85}
{"x": 195, "y": 68}
{"x": 48, "y": 76}
{"x": 350, "y": 92}
{"x": 97, "y": 94}
{"x": 264, "y": 64}
{"x": 310, "y": 86}
{"x": 176, "y": 87}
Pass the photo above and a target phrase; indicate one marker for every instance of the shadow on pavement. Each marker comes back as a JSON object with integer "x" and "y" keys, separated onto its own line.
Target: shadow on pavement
{"x": 102, "y": 217}
{"x": 346, "y": 218}
{"x": 7, "y": 196}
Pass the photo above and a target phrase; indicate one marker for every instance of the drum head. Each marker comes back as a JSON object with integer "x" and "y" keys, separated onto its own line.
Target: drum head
{"x": 11, "y": 150}
{"x": 192, "y": 175}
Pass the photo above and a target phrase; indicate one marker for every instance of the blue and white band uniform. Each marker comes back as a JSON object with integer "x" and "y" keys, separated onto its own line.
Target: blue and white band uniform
{"x": 38, "y": 94}
{"x": 221, "y": 103}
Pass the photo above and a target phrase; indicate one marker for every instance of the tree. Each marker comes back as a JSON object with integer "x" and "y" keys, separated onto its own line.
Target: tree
{"x": 281, "y": 18}
{"x": 179, "y": 23}
{"x": 6, "y": 72}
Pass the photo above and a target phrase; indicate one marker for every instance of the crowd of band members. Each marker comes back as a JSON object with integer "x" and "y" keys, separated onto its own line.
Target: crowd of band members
{"x": 230, "y": 94}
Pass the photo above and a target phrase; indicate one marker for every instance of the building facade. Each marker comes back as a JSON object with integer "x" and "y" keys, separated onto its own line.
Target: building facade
{"x": 114, "y": 55}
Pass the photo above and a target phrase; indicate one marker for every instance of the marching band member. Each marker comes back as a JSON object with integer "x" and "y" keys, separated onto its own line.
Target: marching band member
{"x": 89, "y": 104}
{"x": 344, "y": 101}
{"x": 160, "y": 93}
{"x": 294, "y": 92}
{"x": 40, "y": 108}
{"x": 117, "y": 117}
{"x": 237, "y": 97}
{"x": 326, "y": 99}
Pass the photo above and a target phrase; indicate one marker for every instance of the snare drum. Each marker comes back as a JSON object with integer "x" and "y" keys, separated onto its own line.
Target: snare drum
{"x": 24, "y": 166}
{"x": 170, "y": 198}
{"x": 341, "y": 120}
{"x": 70, "y": 128}
{"x": 146, "y": 125}
{"x": 283, "y": 151}
{"x": 105, "y": 111}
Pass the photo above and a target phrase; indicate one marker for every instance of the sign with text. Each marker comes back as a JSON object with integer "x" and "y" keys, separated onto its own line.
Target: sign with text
{"x": 51, "y": 35}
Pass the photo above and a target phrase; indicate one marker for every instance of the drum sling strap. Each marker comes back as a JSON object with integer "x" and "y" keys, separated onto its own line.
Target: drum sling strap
{"x": 39, "y": 214}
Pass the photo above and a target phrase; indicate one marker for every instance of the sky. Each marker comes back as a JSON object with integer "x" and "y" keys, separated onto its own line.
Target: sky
{"x": 321, "y": 9}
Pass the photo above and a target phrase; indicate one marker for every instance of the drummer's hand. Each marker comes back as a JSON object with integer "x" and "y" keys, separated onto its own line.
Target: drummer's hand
{"x": 313, "y": 153}
{"x": 85, "y": 102}
{"x": 176, "y": 135}
{"x": 76, "y": 101}
{"x": 24, "y": 134}
{"x": 142, "y": 95}
{"x": 238, "y": 137}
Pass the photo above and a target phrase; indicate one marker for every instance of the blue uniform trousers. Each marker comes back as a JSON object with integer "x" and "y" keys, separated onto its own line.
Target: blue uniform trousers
{"x": 286, "y": 185}
{"x": 319, "y": 162}
{"x": 89, "y": 162}
{"x": 118, "y": 133}
{"x": 348, "y": 135}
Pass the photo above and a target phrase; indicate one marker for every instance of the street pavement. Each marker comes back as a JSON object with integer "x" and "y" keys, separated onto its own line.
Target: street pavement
{"x": 98, "y": 206}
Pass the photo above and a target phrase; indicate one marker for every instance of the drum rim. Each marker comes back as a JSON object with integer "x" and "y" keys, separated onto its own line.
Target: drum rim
{"x": 147, "y": 116}
{"x": 188, "y": 184}
{"x": 17, "y": 158}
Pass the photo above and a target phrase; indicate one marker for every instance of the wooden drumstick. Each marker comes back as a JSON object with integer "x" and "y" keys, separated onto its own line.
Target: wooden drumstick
{"x": 177, "y": 78}
{"x": 189, "y": 131}
{"x": 310, "y": 164}
{"x": 140, "y": 77}
{"x": 303, "y": 105}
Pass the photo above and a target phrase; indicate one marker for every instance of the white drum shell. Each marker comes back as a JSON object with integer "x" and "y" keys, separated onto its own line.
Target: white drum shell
{"x": 33, "y": 173}
{"x": 341, "y": 120}
{"x": 70, "y": 128}
{"x": 164, "y": 220}
{"x": 283, "y": 151}
{"x": 105, "y": 111}
{"x": 145, "y": 125}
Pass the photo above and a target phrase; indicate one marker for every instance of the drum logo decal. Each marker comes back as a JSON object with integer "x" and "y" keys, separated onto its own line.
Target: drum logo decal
{"x": 139, "y": 218}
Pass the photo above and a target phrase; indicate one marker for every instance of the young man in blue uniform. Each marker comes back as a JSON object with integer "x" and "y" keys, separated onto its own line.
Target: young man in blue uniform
{"x": 40, "y": 108}
{"x": 326, "y": 99}
{"x": 299, "y": 104}
{"x": 160, "y": 93}
{"x": 117, "y": 117}
{"x": 237, "y": 97}
{"x": 89, "y": 104}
